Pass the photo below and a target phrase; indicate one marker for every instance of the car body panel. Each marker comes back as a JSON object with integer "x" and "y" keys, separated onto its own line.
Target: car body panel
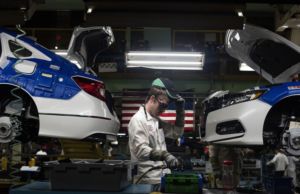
{"x": 251, "y": 114}
{"x": 278, "y": 92}
{"x": 269, "y": 54}
{"x": 64, "y": 109}
{"x": 86, "y": 43}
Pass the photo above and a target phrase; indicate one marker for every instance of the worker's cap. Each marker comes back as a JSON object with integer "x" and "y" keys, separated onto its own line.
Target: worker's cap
{"x": 166, "y": 84}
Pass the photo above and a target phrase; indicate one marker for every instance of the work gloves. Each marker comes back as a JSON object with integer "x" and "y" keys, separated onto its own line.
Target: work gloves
{"x": 159, "y": 155}
{"x": 180, "y": 104}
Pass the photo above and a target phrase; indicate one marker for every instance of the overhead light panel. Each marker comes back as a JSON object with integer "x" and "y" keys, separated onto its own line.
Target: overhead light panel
{"x": 245, "y": 67}
{"x": 165, "y": 60}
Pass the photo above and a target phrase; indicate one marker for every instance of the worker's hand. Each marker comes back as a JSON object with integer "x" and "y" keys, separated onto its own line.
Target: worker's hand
{"x": 159, "y": 155}
{"x": 173, "y": 162}
{"x": 179, "y": 101}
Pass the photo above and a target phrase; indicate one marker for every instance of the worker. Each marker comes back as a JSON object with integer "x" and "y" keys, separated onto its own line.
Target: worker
{"x": 280, "y": 161}
{"x": 147, "y": 132}
{"x": 291, "y": 169}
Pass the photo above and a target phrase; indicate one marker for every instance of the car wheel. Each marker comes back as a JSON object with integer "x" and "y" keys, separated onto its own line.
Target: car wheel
{"x": 282, "y": 126}
{"x": 18, "y": 116}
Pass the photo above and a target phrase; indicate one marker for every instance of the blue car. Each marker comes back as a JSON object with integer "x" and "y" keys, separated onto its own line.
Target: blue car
{"x": 264, "y": 115}
{"x": 43, "y": 94}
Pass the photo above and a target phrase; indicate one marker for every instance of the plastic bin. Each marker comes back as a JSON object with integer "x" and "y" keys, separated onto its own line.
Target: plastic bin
{"x": 106, "y": 176}
{"x": 278, "y": 185}
{"x": 182, "y": 183}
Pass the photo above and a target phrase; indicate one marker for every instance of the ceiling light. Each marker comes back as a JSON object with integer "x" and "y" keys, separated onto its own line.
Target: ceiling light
{"x": 240, "y": 14}
{"x": 245, "y": 67}
{"x": 167, "y": 54}
{"x": 165, "y": 60}
{"x": 56, "y": 47}
{"x": 89, "y": 10}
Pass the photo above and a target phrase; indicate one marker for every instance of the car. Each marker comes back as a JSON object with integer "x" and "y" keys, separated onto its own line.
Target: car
{"x": 267, "y": 116}
{"x": 46, "y": 95}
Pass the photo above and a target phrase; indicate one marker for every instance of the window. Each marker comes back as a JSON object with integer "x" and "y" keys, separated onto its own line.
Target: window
{"x": 18, "y": 50}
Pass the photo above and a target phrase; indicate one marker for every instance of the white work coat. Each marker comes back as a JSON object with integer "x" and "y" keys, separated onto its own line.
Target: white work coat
{"x": 145, "y": 135}
{"x": 280, "y": 161}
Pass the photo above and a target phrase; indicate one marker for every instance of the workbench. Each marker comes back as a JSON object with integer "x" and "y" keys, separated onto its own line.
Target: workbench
{"x": 44, "y": 188}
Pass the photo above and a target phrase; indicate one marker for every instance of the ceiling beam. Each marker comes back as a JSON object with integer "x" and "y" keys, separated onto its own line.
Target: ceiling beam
{"x": 9, "y": 18}
{"x": 152, "y": 19}
{"x": 174, "y": 6}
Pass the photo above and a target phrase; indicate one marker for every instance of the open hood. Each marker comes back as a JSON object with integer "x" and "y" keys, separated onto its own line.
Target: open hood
{"x": 87, "y": 43}
{"x": 269, "y": 54}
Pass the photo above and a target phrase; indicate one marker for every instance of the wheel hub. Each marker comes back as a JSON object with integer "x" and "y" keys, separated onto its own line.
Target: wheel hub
{"x": 7, "y": 132}
{"x": 291, "y": 141}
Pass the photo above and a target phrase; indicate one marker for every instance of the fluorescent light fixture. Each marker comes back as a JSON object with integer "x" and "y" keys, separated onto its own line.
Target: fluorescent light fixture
{"x": 165, "y": 60}
{"x": 240, "y": 14}
{"x": 245, "y": 67}
{"x": 89, "y": 10}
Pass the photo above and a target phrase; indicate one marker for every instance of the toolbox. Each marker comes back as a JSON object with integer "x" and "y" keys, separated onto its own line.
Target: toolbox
{"x": 182, "y": 183}
{"x": 90, "y": 176}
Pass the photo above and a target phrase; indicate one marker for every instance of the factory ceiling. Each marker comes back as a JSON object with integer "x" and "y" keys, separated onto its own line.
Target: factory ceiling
{"x": 200, "y": 14}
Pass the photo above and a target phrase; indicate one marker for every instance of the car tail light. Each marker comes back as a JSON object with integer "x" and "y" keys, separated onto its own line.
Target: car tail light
{"x": 94, "y": 88}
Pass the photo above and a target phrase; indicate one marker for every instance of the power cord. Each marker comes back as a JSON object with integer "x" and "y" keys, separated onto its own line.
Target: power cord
{"x": 153, "y": 168}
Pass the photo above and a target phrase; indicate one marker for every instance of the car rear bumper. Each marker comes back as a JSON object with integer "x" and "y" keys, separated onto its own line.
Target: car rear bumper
{"x": 79, "y": 117}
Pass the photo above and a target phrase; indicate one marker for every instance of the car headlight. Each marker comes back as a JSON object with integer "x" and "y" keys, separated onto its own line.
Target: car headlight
{"x": 242, "y": 97}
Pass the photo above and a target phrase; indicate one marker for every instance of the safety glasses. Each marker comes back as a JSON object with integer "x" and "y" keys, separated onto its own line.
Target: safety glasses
{"x": 162, "y": 105}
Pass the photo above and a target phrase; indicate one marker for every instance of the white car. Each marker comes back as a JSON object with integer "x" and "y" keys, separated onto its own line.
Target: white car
{"x": 264, "y": 115}
{"x": 43, "y": 94}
